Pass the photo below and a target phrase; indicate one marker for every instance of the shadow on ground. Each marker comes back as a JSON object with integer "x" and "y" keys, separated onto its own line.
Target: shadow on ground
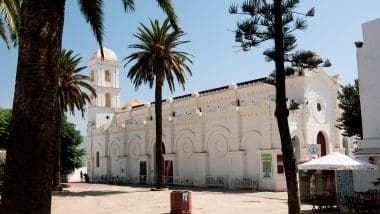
{"x": 86, "y": 193}
{"x": 91, "y": 193}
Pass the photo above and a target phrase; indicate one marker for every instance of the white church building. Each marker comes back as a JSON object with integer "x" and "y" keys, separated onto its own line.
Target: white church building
{"x": 225, "y": 136}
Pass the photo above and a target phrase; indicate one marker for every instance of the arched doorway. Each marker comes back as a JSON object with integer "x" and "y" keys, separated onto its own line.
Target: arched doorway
{"x": 252, "y": 145}
{"x": 345, "y": 146}
{"x": 296, "y": 147}
{"x": 321, "y": 140}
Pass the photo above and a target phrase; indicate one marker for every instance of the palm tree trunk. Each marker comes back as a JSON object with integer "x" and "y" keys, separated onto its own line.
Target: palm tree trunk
{"x": 28, "y": 170}
{"x": 159, "y": 146}
{"x": 282, "y": 114}
{"x": 57, "y": 154}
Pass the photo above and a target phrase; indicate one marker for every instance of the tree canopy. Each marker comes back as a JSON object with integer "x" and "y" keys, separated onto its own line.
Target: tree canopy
{"x": 299, "y": 61}
{"x": 71, "y": 153}
{"x": 5, "y": 119}
{"x": 351, "y": 119}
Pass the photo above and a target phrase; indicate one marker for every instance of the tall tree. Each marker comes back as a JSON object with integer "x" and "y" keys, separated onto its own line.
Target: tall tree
{"x": 10, "y": 13}
{"x": 34, "y": 120}
{"x": 156, "y": 61}
{"x": 72, "y": 87}
{"x": 351, "y": 119}
{"x": 275, "y": 20}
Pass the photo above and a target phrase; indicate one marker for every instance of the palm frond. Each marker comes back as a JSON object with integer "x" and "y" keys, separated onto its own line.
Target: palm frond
{"x": 92, "y": 11}
{"x": 167, "y": 7}
{"x": 129, "y": 5}
{"x": 3, "y": 34}
{"x": 11, "y": 12}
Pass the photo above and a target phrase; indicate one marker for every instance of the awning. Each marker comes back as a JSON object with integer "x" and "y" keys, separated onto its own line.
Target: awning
{"x": 336, "y": 161}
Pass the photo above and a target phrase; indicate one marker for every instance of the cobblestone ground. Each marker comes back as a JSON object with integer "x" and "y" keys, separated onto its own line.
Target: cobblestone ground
{"x": 99, "y": 198}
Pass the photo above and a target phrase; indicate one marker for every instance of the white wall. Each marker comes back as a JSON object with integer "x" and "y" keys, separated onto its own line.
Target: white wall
{"x": 368, "y": 71}
{"x": 225, "y": 139}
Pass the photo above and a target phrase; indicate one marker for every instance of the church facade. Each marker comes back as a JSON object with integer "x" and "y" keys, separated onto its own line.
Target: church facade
{"x": 223, "y": 136}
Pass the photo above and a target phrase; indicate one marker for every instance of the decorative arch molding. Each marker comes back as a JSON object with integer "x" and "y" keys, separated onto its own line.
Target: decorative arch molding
{"x": 217, "y": 140}
{"x": 134, "y": 147}
{"x": 186, "y": 147}
{"x": 115, "y": 143}
{"x": 114, "y": 150}
{"x": 253, "y": 134}
{"x": 138, "y": 137}
{"x": 152, "y": 142}
{"x": 98, "y": 148}
{"x": 183, "y": 134}
{"x": 131, "y": 139}
{"x": 217, "y": 129}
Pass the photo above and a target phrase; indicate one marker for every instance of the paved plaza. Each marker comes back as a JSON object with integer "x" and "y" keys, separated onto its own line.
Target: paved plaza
{"x": 100, "y": 198}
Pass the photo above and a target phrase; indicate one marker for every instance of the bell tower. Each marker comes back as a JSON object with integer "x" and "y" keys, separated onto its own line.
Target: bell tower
{"x": 104, "y": 74}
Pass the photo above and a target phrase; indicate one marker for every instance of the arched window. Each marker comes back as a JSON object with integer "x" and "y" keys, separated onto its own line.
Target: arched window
{"x": 92, "y": 75}
{"x": 107, "y": 76}
{"x": 97, "y": 159}
{"x": 108, "y": 100}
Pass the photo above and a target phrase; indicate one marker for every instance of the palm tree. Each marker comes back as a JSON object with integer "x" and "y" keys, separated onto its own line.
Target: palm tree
{"x": 157, "y": 61}
{"x": 33, "y": 129}
{"x": 10, "y": 13}
{"x": 70, "y": 97}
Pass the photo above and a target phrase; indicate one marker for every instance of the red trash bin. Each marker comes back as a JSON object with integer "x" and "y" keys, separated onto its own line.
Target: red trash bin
{"x": 180, "y": 202}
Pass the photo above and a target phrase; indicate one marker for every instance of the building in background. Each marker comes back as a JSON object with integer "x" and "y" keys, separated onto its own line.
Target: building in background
{"x": 225, "y": 136}
{"x": 368, "y": 57}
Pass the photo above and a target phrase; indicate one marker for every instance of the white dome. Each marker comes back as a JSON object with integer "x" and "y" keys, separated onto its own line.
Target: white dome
{"x": 108, "y": 54}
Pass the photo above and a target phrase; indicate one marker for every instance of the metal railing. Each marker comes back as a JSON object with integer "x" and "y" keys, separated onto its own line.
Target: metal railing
{"x": 216, "y": 181}
{"x": 243, "y": 183}
{"x": 178, "y": 180}
{"x": 209, "y": 181}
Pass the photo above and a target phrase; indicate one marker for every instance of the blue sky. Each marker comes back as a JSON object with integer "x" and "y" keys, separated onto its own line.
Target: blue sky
{"x": 331, "y": 33}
